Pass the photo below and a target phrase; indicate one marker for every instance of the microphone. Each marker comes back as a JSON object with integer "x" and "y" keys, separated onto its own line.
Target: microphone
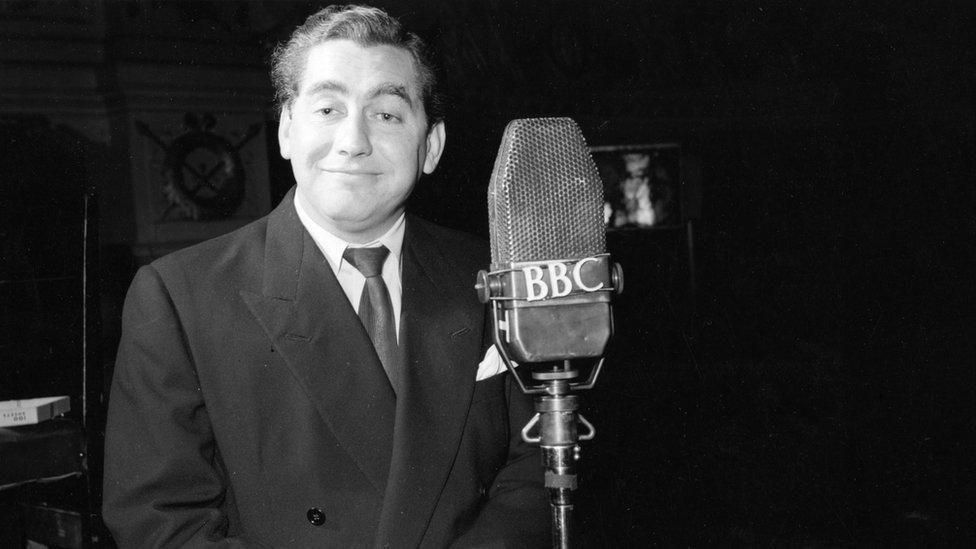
{"x": 549, "y": 266}
{"x": 549, "y": 286}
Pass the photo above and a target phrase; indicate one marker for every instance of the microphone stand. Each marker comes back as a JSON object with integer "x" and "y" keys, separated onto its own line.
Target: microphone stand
{"x": 558, "y": 437}
{"x": 556, "y": 422}
{"x": 558, "y": 434}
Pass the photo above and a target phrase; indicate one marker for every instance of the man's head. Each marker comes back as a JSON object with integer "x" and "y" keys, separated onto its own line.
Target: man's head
{"x": 365, "y": 26}
{"x": 354, "y": 119}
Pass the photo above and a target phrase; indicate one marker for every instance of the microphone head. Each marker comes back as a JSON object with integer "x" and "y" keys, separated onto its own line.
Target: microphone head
{"x": 550, "y": 276}
{"x": 545, "y": 197}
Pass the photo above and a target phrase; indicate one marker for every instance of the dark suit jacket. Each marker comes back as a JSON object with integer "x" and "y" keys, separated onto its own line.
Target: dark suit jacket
{"x": 247, "y": 403}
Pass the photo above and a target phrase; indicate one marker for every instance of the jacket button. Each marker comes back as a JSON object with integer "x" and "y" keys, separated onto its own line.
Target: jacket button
{"x": 316, "y": 516}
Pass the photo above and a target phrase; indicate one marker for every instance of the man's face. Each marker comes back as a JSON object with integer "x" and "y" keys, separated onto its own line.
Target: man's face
{"x": 357, "y": 138}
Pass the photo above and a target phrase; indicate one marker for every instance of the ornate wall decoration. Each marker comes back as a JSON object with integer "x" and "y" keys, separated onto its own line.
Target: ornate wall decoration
{"x": 203, "y": 175}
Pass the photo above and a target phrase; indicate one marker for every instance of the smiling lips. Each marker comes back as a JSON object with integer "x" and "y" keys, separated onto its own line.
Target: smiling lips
{"x": 354, "y": 175}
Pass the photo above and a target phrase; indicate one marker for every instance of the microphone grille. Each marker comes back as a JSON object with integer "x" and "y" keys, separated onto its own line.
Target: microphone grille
{"x": 545, "y": 198}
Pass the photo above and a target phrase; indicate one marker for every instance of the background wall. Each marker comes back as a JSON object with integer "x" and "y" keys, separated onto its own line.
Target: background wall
{"x": 818, "y": 390}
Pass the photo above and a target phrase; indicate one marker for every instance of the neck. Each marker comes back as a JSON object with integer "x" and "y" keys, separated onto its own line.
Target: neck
{"x": 353, "y": 232}
{"x": 354, "y": 235}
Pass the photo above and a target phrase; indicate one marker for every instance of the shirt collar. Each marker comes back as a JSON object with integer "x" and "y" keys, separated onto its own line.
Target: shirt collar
{"x": 333, "y": 247}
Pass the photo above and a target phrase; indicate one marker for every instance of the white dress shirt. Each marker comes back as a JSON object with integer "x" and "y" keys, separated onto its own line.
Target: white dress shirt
{"x": 351, "y": 280}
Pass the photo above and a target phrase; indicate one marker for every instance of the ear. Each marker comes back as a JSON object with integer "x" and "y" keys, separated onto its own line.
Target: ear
{"x": 435, "y": 146}
{"x": 284, "y": 133}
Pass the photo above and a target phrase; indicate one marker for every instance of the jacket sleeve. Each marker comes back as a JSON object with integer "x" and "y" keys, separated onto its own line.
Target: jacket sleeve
{"x": 516, "y": 513}
{"x": 164, "y": 485}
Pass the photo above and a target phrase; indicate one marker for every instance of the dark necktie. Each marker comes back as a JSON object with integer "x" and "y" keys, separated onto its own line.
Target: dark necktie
{"x": 375, "y": 306}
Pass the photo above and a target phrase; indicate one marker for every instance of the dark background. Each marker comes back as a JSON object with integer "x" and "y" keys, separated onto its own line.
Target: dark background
{"x": 812, "y": 384}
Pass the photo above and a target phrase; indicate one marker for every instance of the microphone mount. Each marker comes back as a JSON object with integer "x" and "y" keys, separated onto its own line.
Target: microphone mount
{"x": 556, "y": 425}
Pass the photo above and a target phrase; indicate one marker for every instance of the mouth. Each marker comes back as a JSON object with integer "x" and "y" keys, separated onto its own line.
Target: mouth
{"x": 351, "y": 172}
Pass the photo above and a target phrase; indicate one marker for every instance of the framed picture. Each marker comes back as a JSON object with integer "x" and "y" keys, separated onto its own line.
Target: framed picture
{"x": 641, "y": 184}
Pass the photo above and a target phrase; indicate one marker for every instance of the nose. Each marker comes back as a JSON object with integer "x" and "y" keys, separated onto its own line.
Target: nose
{"x": 352, "y": 137}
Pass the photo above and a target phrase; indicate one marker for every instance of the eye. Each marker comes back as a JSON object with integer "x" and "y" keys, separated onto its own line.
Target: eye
{"x": 328, "y": 110}
{"x": 387, "y": 117}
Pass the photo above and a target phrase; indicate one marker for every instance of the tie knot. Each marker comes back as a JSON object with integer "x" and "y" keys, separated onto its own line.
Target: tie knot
{"x": 368, "y": 261}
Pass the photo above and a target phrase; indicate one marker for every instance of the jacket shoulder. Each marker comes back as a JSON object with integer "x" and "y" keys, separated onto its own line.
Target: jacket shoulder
{"x": 453, "y": 243}
{"x": 234, "y": 252}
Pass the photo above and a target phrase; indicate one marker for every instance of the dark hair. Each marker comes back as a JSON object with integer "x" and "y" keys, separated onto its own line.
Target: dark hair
{"x": 364, "y": 25}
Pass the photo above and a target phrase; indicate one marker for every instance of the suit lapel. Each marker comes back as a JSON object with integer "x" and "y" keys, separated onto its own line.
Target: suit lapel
{"x": 441, "y": 325}
{"x": 310, "y": 322}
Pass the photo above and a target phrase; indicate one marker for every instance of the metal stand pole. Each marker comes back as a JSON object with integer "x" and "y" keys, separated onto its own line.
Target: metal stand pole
{"x": 558, "y": 437}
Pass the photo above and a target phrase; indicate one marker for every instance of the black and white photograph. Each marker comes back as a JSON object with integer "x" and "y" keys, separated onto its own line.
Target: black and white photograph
{"x": 487, "y": 273}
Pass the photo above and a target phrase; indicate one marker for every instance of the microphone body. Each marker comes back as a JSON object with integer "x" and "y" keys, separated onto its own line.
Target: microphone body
{"x": 550, "y": 270}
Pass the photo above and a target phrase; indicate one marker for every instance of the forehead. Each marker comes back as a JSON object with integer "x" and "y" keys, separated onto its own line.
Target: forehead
{"x": 358, "y": 68}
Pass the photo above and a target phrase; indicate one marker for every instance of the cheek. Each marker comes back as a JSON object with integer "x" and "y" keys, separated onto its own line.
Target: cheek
{"x": 309, "y": 146}
{"x": 406, "y": 154}
{"x": 312, "y": 153}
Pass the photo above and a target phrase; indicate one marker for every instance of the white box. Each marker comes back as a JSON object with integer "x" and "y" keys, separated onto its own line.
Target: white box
{"x": 32, "y": 410}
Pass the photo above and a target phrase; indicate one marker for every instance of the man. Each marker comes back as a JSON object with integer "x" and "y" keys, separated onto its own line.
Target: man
{"x": 252, "y": 406}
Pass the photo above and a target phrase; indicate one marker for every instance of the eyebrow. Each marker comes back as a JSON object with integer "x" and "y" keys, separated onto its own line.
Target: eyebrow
{"x": 327, "y": 86}
{"x": 389, "y": 88}
{"x": 385, "y": 88}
